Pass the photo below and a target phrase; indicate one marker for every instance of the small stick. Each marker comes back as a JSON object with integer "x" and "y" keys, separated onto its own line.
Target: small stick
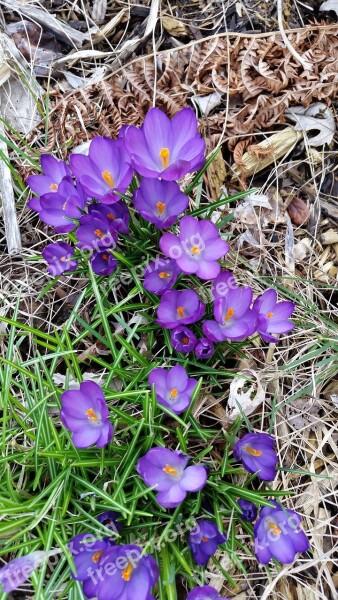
{"x": 12, "y": 231}
{"x": 307, "y": 66}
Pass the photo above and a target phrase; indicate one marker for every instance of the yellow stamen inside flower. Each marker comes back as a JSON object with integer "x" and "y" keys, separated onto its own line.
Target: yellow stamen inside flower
{"x": 54, "y": 187}
{"x": 91, "y": 414}
{"x": 108, "y": 178}
{"x": 127, "y": 572}
{"x": 165, "y": 157}
{"x": 111, "y": 216}
{"x": 160, "y": 208}
{"x": 195, "y": 250}
{"x": 270, "y": 314}
{"x": 180, "y": 312}
{"x": 173, "y": 393}
{"x": 230, "y": 313}
{"x": 63, "y": 258}
{"x": 185, "y": 340}
{"x": 164, "y": 275}
{"x": 274, "y": 528}
{"x": 170, "y": 470}
{"x": 252, "y": 451}
{"x": 99, "y": 233}
{"x": 204, "y": 539}
{"x": 96, "y": 557}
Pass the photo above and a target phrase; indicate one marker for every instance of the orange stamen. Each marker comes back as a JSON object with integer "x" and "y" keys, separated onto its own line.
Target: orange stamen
{"x": 270, "y": 314}
{"x": 91, "y": 414}
{"x": 164, "y": 275}
{"x": 160, "y": 207}
{"x": 54, "y": 187}
{"x": 204, "y": 539}
{"x": 126, "y": 573}
{"x": 252, "y": 451}
{"x": 111, "y": 216}
{"x": 195, "y": 250}
{"x": 180, "y": 312}
{"x": 173, "y": 393}
{"x": 165, "y": 157}
{"x": 99, "y": 233}
{"x": 230, "y": 313}
{"x": 170, "y": 470}
{"x": 274, "y": 528}
{"x": 108, "y": 178}
{"x": 63, "y": 258}
{"x": 96, "y": 557}
{"x": 105, "y": 256}
{"x": 185, "y": 340}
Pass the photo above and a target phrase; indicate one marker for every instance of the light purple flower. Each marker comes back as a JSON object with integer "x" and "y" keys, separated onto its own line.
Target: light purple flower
{"x": 204, "y": 349}
{"x": 117, "y": 213}
{"x": 278, "y": 534}
{"x": 235, "y": 320}
{"x": 87, "y": 552}
{"x": 60, "y": 258}
{"x": 197, "y": 247}
{"x": 167, "y": 472}
{"x": 257, "y": 454}
{"x": 103, "y": 263}
{"x": 18, "y": 570}
{"x": 104, "y": 170}
{"x": 205, "y": 592}
{"x": 273, "y": 316}
{"x": 224, "y": 282}
{"x": 160, "y": 275}
{"x": 96, "y": 231}
{"x": 183, "y": 339}
{"x": 249, "y": 510}
{"x": 85, "y": 413}
{"x": 53, "y": 172}
{"x": 204, "y": 542}
{"x": 179, "y": 308}
{"x": 173, "y": 387}
{"x": 58, "y": 208}
{"x": 160, "y": 202}
{"x": 164, "y": 148}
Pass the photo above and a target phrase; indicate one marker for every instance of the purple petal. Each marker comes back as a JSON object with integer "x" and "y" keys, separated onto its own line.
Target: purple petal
{"x": 172, "y": 497}
{"x": 194, "y": 478}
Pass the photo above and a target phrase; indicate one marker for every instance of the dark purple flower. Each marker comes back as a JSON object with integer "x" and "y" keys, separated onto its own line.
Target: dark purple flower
{"x": 18, "y": 570}
{"x": 183, "y": 339}
{"x": 160, "y": 275}
{"x": 87, "y": 552}
{"x": 58, "y": 208}
{"x": 197, "y": 247}
{"x": 117, "y": 213}
{"x": 109, "y": 519}
{"x": 104, "y": 171}
{"x": 205, "y": 592}
{"x": 54, "y": 171}
{"x": 103, "y": 263}
{"x": 164, "y": 148}
{"x": 173, "y": 388}
{"x": 249, "y": 510}
{"x": 60, "y": 258}
{"x": 96, "y": 231}
{"x": 85, "y": 413}
{"x": 204, "y": 542}
{"x": 160, "y": 202}
{"x": 224, "y": 282}
{"x": 273, "y": 316}
{"x": 257, "y": 454}
{"x": 235, "y": 320}
{"x": 204, "y": 349}
{"x": 278, "y": 534}
{"x": 125, "y": 574}
{"x": 167, "y": 472}
{"x": 179, "y": 308}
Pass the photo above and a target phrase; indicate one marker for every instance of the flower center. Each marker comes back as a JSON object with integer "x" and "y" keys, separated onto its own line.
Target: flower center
{"x": 91, "y": 414}
{"x": 164, "y": 275}
{"x": 204, "y": 539}
{"x": 99, "y": 233}
{"x": 230, "y": 313}
{"x": 63, "y": 258}
{"x": 252, "y": 451}
{"x": 108, "y": 178}
{"x": 165, "y": 157}
{"x": 96, "y": 557}
{"x": 105, "y": 256}
{"x": 127, "y": 572}
{"x": 111, "y": 216}
{"x": 180, "y": 312}
{"x": 195, "y": 250}
{"x": 160, "y": 208}
{"x": 170, "y": 470}
{"x": 173, "y": 393}
{"x": 54, "y": 187}
{"x": 185, "y": 340}
{"x": 274, "y": 528}
{"x": 270, "y": 314}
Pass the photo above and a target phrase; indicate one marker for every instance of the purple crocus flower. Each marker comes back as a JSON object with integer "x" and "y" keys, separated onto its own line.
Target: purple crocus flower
{"x": 164, "y": 148}
{"x": 96, "y": 231}
{"x": 87, "y": 553}
{"x": 125, "y": 574}
{"x": 160, "y": 275}
{"x": 179, "y": 308}
{"x": 235, "y": 320}
{"x": 18, "y": 570}
{"x": 166, "y": 470}
{"x": 53, "y": 172}
{"x": 278, "y": 534}
{"x": 58, "y": 208}
{"x": 204, "y": 349}
{"x": 160, "y": 202}
{"x": 273, "y": 316}
{"x": 203, "y": 544}
{"x": 197, "y": 247}
{"x": 104, "y": 170}
{"x": 117, "y": 213}
{"x": 103, "y": 263}
{"x": 204, "y": 592}
{"x": 249, "y": 510}
{"x": 109, "y": 519}
{"x": 224, "y": 282}
{"x": 257, "y": 454}
{"x": 173, "y": 387}
{"x": 183, "y": 339}
{"x": 60, "y": 258}
{"x": 85, "y": 413}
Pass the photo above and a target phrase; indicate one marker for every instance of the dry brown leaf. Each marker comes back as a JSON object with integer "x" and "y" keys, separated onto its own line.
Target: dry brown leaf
{"x": 298, "y": 210}
{"x": 215, "y": 175}
{"x": 246, "y": 394}
{"x": 174, "y": 26}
